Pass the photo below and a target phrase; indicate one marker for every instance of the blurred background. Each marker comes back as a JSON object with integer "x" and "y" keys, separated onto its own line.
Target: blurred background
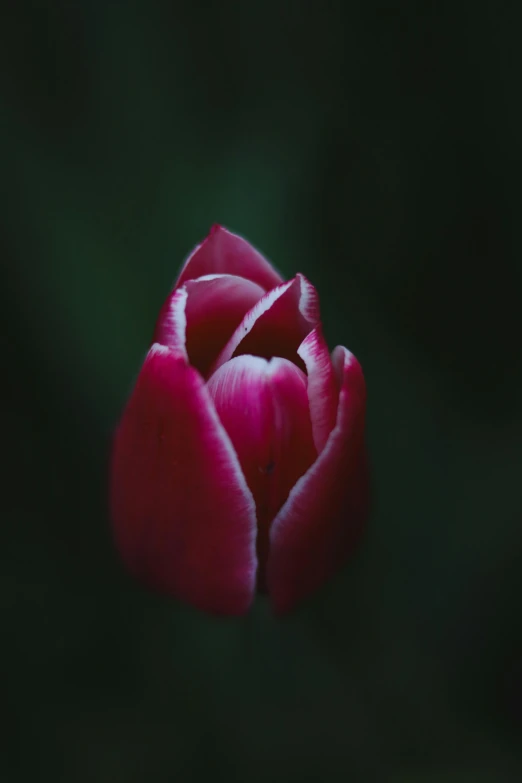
{"x": 376, "y": 147}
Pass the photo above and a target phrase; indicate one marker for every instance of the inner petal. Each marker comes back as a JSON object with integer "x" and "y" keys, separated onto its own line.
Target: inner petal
{"x": 323, "y": 391}
{"x": 225, "y": 253}
{"x": 277, "y": 324}
{"x": 214, "y": 305}
{"x": 263, "y": 406}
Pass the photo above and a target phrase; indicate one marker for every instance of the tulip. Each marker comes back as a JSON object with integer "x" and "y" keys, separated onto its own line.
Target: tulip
{"x": 239, "y": 462}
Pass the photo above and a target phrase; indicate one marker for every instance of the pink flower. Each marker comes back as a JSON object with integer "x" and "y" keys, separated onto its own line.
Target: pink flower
{"x": 239, "y": 460}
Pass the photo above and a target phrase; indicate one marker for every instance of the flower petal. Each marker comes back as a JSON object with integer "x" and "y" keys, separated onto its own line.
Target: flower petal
{"x": 264, "y": 409}
{"x": 323, "y": 392}
{"x": 213, "y": 307}
{"x": 321, "y": 522}
{"x": 225, "y": 253}
{"x": 184, "y": 518}
{"x": 277, "y": 324}
{"x": 171, "y": 326}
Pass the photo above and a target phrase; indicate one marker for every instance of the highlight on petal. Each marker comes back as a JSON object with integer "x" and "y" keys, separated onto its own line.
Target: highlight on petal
{"x": 318, "y": 527}
{"x": 263, "y": 406}
{"x": 225, "y": 253}
{"x": 171, "y": 326}
{"x": 323, "y": 393}
{"x": 201, "y": 316}
{"x": 277, "y": 324}
{"x": 183, "y": 516}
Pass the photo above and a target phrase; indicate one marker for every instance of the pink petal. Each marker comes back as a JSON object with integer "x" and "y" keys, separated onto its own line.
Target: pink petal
{"x": 209, "y": 309}
{"x": 264, "y": 409}
{"x": 225, "y": 253}
{"x": 277, "y": 324}
{"x": 184, "y": 518}
{"x": 171, "y": 326}
{"x": 323, "y": 392}
{"x": 319, "y": 525}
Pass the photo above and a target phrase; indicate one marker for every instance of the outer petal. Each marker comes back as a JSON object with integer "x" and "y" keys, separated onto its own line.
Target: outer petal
{"x": 183, "y": 516}
{"x": 225, "y": 253}
{"x": 264, "y": 408}
{"x": 320, "y": 523}
{"x": 171, "y": 326}
{"x": 201, "y": 316}
{"x": 277, "y": 324}
{"x": 323, "y": 392}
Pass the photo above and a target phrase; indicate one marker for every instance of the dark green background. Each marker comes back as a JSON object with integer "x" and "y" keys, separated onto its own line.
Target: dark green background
{"x": 376, "y": 147}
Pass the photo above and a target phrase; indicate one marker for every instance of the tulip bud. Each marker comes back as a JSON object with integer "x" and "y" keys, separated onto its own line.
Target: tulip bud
{"x": 239, "y": 462}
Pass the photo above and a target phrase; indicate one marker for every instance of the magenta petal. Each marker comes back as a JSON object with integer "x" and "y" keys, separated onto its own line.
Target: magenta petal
{"x": 277, "y": 324}
{"x": 183, "y": 516}
{"x": 171, "y": 326}
{"x": 320, "y": 523}
{"x": 213, "y": 307}
{"x": 225, "y": 253}
{"x": 264, "y": 408}
{"x": 323, "y": 393}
